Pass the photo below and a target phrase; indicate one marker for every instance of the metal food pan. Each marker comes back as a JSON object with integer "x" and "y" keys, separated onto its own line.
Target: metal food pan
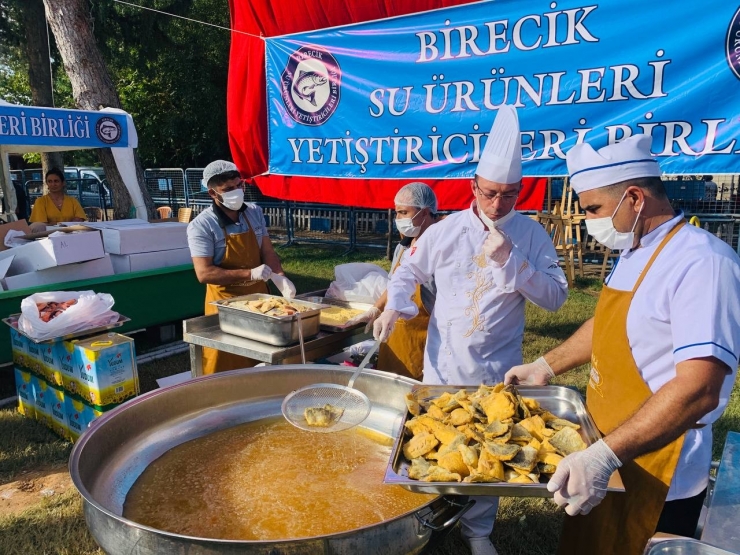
{"x": 273, "y": 330}
{"x": 344, "y": 304}
{"x": 561, "y": 401}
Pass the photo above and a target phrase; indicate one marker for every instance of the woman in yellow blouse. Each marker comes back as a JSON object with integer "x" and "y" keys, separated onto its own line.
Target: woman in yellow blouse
{"x": 55, "y": 206}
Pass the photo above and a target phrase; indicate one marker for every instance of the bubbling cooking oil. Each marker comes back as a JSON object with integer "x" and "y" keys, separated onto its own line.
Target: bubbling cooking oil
{"x": 268, "y": 480}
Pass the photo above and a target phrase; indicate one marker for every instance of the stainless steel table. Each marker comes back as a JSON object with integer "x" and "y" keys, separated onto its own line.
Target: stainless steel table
{"x": 722, "y": 525}
{"x": 204, "y": 331}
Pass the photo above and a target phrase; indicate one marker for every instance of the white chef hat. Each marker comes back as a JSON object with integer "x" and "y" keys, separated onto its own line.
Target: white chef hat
{"x": 628, "y": 159}
{"x": 501, "y": 160}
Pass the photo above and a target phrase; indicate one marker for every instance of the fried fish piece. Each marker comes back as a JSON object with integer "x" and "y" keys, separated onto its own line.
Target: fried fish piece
{"x": 412, "y": 404}
{"x": 519, "y": 434}
{"x": 439, "y": 474}
{"x": 525, "y": 460}
{"x": 437, "y": 413}
{"x": 490, "y": 466}
{"x": 567, "y": 441}
{"x": 445, "y": 448}
{"x": 453, "y": 462}
{"x": 469, "y": 456}
{"x": 497, "y": 406}
{"x": 419, "y": 468}
{"x": 419, "y": 445}
{"x": 443, "y": 432}
{"x": 560, "y": 423}
{"x": 416, "y": 426}
{"x": 502, "y": 451}
{"x": 479, "y": 477}
{"x": 471, "y": 433}
{"x": 323, "y": 417}
{"x": 460, "y": 416}
{"x": 517, "y": 478}
{"x": 534, "y": 425}
{"x": 495, "y": 429}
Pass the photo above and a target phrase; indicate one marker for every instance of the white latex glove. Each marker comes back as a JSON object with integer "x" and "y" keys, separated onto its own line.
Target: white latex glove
{"x": 534, "y": 373}
{"x": 369, "y": 316}
{"x": 263, "y": 272}
{"x": 579, "y": 483}
{"x": 284, "y": 284}
{"x": 383, "y": 326}
{"x": 37, "y": 227}
{"x": 497, "y": 246}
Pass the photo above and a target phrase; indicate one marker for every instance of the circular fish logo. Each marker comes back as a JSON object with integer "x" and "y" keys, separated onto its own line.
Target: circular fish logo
{"x": 732, "y": 44}
{"x": 108, "y": 130}
{"x": 310, "y": 85}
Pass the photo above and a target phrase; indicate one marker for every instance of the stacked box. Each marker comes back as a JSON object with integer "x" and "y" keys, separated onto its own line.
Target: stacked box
{"x": 24, "y": 387}
{"x": 79, "y": 416}
{"x": 50, "y": 365}
{"x": 42, "y": 400}
{"x": 19, "y": 346}
{"x": 58, "y": 412}
{"x": 33, "y": 358}
{"x": 69, "y": 373}
{"x": 107, "y": 368}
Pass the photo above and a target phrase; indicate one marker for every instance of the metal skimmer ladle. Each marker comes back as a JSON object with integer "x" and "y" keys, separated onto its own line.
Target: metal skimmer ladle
{"x": 354, "y": 404}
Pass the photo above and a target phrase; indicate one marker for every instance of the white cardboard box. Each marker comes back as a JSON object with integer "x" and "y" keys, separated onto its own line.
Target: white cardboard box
{"x": 66, "y": 248}
{"x": 138, "y": 262}
{"x": 60, "y": 274}
{"x": 145, "y": 238}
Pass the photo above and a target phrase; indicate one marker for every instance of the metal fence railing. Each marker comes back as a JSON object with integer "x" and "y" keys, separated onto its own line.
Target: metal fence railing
{"x": 715, "y": 200}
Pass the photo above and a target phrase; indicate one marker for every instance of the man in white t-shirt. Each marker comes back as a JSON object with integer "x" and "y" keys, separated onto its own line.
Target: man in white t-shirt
{"x": 663, "y": 347}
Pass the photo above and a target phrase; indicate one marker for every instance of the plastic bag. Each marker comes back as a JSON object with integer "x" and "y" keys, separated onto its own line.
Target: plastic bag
{"x": 92, "y": 310}
{"x": 359, "y": 282}
{"x": 284, "y": 284}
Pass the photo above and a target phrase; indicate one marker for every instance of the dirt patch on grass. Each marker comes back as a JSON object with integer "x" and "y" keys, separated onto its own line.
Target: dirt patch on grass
{"x": 32, "y": 487}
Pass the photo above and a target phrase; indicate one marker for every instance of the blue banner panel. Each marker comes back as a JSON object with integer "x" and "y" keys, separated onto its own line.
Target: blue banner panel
{"x": 30, "y": 125}
{"x": 414, "y": 97}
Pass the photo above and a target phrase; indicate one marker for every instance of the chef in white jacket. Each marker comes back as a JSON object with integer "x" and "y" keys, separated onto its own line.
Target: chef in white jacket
{"x": 486, "y": 261}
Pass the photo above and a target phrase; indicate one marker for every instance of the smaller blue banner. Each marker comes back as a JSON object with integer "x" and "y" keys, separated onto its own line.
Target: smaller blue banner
{"x": 30, "y": 125}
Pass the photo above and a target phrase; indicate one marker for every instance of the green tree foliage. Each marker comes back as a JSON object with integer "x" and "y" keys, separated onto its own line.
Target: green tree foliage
{"x": 170, "y": 75}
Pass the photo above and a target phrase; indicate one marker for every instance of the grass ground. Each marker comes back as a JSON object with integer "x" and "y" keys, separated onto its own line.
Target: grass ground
{"x": 54, "y": 525}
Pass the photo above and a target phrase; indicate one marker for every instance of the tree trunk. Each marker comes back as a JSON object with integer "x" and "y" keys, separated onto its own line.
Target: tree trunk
{"x": 39, "y": 70}
{"x": 92, "y": 86}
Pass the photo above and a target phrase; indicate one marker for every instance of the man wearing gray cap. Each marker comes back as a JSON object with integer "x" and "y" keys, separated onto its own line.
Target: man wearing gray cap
{"x": 231, "y": 250}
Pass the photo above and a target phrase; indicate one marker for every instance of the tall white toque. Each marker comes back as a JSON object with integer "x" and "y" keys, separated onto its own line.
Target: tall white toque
{"x": 628, "y": 159}
{"x": 501, "y": 161}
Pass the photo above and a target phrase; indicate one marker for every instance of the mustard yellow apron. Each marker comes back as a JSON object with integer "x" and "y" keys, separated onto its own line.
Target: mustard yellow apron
{"x": 622, "y": 523}
{"x": 242, "y": 252}
{"x": 403, "y": 353}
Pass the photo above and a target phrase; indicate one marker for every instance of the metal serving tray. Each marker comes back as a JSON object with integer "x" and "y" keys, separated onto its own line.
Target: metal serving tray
{"x": 337, "y": 302}
{"x": 273, "y": 330}
{"x": 561, "y": 401}
{"x": 12, "y": 321}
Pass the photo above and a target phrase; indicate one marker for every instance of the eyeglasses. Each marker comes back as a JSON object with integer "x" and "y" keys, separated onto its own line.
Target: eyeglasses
{"x": 508, "y": 197}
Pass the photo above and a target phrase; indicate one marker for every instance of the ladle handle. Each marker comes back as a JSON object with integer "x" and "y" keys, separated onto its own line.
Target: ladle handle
{"x": 364, "y": 362}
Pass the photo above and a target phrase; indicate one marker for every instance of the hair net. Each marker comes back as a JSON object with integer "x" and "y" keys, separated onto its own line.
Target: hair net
{"x": 217, "y": 168}
{"x": 417, "y": 194}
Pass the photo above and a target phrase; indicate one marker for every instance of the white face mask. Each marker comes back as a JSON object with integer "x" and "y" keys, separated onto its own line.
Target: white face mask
{"x": 491, "y": 223}
{"x": 603, "y": 230}
{"x": 233, "y": 200}
{"x": 406, "y": 227}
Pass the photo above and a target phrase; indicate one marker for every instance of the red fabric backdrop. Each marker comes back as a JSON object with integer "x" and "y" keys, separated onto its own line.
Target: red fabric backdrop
{"x": 247, "y": 104}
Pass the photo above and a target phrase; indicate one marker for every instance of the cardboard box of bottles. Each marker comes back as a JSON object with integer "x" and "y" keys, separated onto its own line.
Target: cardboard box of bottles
{"x": 100, "y": 369}
{"x": 66, "y": 414}
{"x": 104, "y": 369}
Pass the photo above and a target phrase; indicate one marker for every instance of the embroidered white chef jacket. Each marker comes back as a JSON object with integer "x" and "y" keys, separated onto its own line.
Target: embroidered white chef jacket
{"x": 476, "y": 327}
{"x": 686, "y": 307}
